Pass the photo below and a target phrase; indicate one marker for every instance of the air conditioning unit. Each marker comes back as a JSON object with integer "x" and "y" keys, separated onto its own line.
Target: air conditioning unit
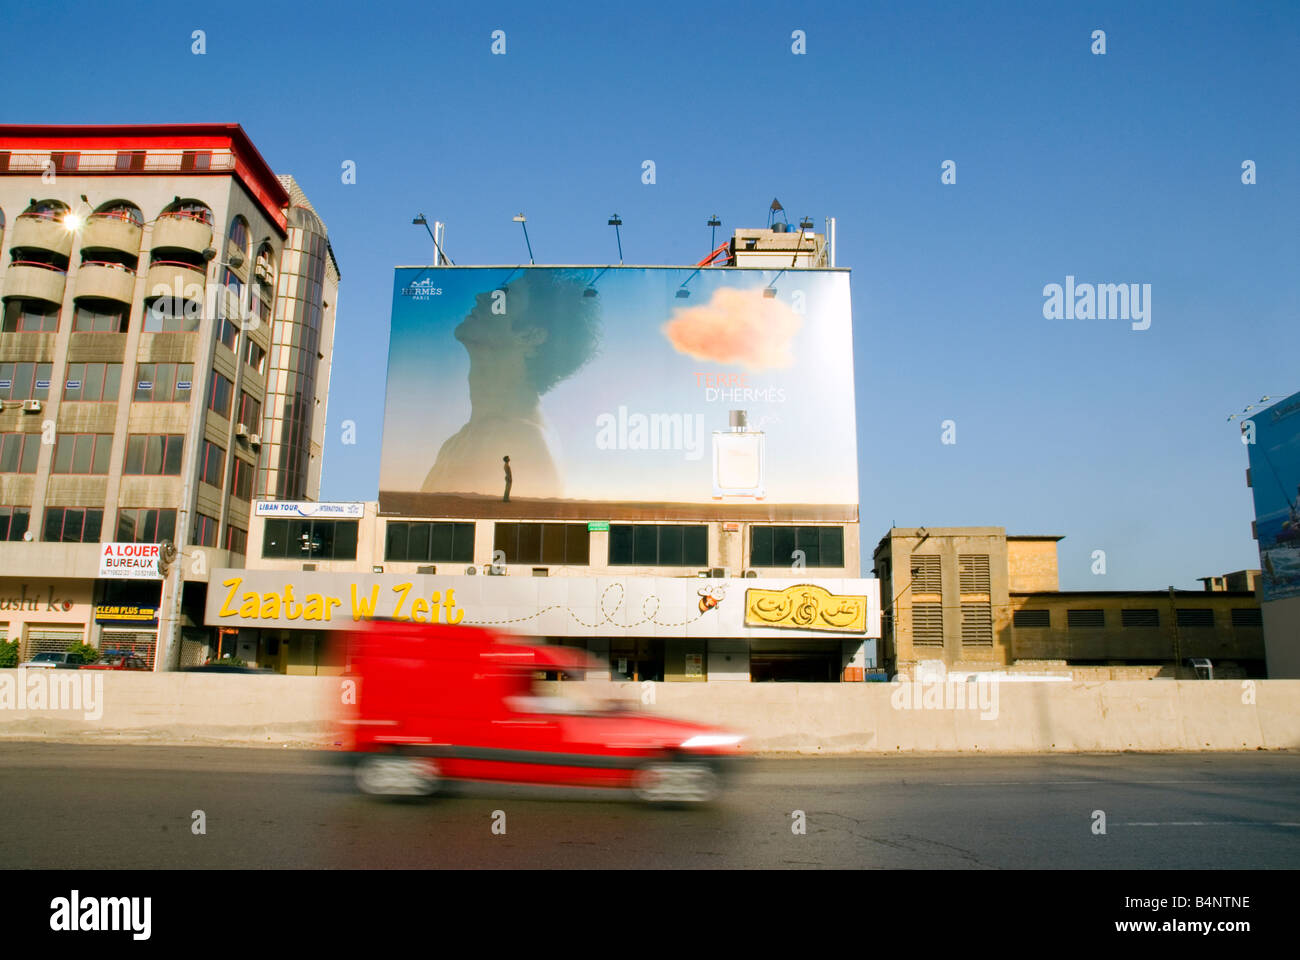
{"x": 31, "y": 406}
{"x": 254, "y": 440}
{"x": 471, "y": 571}
{"x": 751, "y": 574}
{"x": 427, "y": 569}
{"x": 719, "y": 571}
{"x": 241, "y": 430}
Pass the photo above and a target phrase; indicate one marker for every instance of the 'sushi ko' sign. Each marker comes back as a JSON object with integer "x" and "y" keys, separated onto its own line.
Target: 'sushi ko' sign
{"x": 272, "y": 605}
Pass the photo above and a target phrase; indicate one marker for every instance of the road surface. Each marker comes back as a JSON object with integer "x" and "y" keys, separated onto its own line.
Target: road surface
{"x": 74, "y": 806}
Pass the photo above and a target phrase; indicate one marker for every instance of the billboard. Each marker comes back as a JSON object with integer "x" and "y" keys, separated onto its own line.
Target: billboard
{"x": 129, "y": 561}
{"x": 1275, "y": 483}
{"x": 620, "y": 392}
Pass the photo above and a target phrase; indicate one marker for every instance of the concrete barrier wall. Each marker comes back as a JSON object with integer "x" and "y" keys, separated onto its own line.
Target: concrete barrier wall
{"x": 810, "y": 718}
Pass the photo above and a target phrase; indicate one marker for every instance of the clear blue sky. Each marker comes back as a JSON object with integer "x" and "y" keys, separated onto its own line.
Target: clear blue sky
{"x": 1117, "y": 168}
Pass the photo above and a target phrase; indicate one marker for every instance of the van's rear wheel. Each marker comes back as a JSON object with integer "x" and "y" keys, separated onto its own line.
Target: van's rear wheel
{"x": 687, "y": 781}
{"x": 390, "y": 775}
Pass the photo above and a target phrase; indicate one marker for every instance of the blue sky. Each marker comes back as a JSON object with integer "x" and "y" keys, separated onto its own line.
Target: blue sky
{"x": 1117, "y": 168}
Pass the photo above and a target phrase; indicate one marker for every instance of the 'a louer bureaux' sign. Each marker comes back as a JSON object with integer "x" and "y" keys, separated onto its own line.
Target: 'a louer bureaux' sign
{"x": 129, "y": 561}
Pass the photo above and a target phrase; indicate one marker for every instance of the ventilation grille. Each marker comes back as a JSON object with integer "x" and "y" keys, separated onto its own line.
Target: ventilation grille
{"x": 973, "y": 572}
{"x": 927, "y": 578}
{"x": 977, "y": 624}
{"x": 1246, "y": 617}
{"x": 1140, "y": 618}
{"x": 1196, "y": 617}
{"x": 927, "y": 624}
{"x": 1085, "y": 619}
{"x": 1032, "y": 618}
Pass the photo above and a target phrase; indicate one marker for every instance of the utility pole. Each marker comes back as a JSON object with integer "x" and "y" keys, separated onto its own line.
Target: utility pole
{"x": 1173, "y": 612}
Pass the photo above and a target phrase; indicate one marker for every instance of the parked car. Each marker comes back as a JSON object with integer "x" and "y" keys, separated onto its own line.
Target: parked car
{"x": 117, "y": 660}
{"x": 218, "y": 667}
{"x": 61, "y": 661}
{"x": 443, "y": 703}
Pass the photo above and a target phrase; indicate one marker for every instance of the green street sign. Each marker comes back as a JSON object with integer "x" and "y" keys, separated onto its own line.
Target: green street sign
{"x": 598, "y": 526}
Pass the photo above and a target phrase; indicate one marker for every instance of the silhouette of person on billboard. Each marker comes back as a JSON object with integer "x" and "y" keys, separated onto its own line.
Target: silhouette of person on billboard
{"x": 510, "y": 478}
{"x": 522, "y": 340}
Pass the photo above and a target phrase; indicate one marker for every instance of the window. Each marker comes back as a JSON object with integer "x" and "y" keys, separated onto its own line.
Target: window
{"x": 205, "y": 531}
{"x": 100, "y": 316}
{"x": 977, "y": 623}
{"x": 227, "y": 332}
{"x": 30, "y": 316}
{"x": 1196, "y": 617}
{"x": 145, "y": 525}
{"x": 86, "y": 453}
{"x": 255, "y": 356}
{"x": 542, "y": 542}
{"x": 429, "y": 542}
{"x": 219, "y": 394}
{"x": 776, "y": 546}
{"x": 658, "y": 545}
{"x": 212, "y": 465}
{"x": 196, "y": 161}
{"x": 310, "y": 539}
{"x": 130, "y": 161}
{"x": 1246, "y": 617}
{"x": 172, "y": 315}
{"x": 927, "y": 574}
{"x": 241, "y": 484}
{"x": 163, "y": 382}
{"x": 25, "y": 381}
{"x": 1139, "y": 618}
{"x": 13, "y": 522}
{"x": 18, "y": 452}
{"x": 239, "y": 235}
{"x": 973, "y": 572}
{"x": 94, "y": 382}
{"x": 250, "y": 413}
{"x": 72, "y": 525}
{"x": 153, "y": 455}
{"x": 1085, "y": 619}
{"x": 1032, "y": 619}
{"x": 236, "y": 539}
{"x": 927, "y": 624}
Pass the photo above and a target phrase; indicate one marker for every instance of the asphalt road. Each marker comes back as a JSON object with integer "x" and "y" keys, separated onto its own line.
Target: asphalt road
{"x": 71, "y": 806}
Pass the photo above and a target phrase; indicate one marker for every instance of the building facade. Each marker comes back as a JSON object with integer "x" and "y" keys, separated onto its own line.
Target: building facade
{"x": 168, "y": 303}
{"x": 657, "y": 464}
{"x": 976, "y": 599}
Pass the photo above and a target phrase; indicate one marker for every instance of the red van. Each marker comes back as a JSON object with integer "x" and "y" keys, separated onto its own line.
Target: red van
{"x": 438, "y": 703}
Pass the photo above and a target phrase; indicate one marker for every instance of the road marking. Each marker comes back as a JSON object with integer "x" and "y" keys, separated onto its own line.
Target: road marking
{"x": 1213, "y": 823}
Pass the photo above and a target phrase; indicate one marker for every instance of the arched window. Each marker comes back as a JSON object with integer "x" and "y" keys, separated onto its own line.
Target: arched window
{"x": 193, "y": 209}
{"x": 120, "y": 210}
{"x": 49, "y": 209}
{"x": 239, "y": 234}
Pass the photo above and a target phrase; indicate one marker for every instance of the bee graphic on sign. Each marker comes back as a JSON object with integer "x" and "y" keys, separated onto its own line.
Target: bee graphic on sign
{"x": 710, "y": 597}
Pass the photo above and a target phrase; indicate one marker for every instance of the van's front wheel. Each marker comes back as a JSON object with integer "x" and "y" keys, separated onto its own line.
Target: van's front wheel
{"x": 390, "y": 775}
{"x": 686, "y": 781}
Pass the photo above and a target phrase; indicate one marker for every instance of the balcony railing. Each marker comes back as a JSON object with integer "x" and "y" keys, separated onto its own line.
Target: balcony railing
{"x": 123, "y": 215}
{"x": 155, "y": 161}
{"x": 109, "y": 264}
{"x": 39, "y": 263}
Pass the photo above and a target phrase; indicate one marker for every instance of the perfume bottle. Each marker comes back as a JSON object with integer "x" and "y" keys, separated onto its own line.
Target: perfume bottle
{"x": 738, "y": 460}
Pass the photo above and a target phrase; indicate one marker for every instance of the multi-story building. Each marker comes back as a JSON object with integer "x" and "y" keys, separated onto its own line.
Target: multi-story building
{"x": 168, "y": 316}
{"x": 658, "y": 464}
{"x": 977, "y": 599}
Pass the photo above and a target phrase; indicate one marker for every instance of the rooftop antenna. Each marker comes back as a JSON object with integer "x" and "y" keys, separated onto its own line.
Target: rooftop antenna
{"x": 713, "y": 225}
{"x": 420, "y": 221}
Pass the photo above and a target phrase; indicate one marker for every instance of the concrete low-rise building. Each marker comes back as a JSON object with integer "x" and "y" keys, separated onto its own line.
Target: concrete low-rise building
{"x": 976, "y": 599}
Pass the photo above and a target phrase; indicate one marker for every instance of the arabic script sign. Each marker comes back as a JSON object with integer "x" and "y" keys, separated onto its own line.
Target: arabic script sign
{"x": 805, "y": 606}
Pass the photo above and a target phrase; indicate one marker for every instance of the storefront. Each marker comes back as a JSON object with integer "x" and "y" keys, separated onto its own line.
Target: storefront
{"x": 647, "y": 628}
{"x": 45, "y": 615}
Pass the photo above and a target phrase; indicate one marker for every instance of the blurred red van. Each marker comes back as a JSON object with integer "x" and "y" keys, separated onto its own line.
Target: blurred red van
{"x": 438, "y": 703}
